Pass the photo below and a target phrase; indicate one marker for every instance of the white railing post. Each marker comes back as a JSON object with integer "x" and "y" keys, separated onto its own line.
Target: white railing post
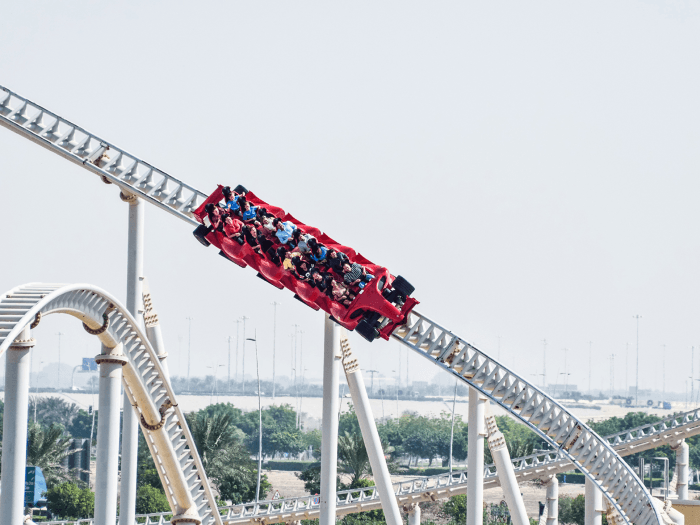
{"x": 14, "y": 438}
{"x": 368, "y": 427}
{"x": 110, "y": 361}
{"x": 594, "y": 504}
{"x": 475, "y": 458}
{"x": 329, "y": 435}
{"x": 130, "y": 428}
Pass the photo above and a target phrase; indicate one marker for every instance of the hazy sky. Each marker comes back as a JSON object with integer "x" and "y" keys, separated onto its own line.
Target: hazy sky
{"x": 531, "y": 167}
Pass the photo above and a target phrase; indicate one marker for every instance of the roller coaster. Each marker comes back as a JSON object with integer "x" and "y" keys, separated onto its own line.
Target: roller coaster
{"x": 133, "y": 354}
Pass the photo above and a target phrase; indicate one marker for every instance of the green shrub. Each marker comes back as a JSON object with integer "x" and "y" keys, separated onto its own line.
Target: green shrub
{"x": 150, "y": 499}
{"x": 287, "y": 465}
{"x": 69, "y": 501}
{"x": 572, "y": 511}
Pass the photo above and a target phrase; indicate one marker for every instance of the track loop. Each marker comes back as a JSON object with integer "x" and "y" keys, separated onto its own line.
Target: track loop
{"x": 105, "y": 322}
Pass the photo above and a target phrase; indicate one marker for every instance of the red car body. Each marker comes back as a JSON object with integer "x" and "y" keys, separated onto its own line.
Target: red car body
{"x": 369, "y": 299}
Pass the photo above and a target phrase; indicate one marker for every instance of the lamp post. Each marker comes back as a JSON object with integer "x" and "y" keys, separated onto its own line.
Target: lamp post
{"x": 636, "y": 388}
{"x": 244, "y": 318}
{"x": 452, "y": 429}
{"x": 257, "y": 368}
{"x": 275, "y": 304}
{"x": 189, "y": 351}
{"x": 213, "y": 386}
{"x": 58, "y": 386}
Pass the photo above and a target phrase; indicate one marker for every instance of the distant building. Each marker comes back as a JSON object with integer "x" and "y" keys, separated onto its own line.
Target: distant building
{"x": 560, "y": 388}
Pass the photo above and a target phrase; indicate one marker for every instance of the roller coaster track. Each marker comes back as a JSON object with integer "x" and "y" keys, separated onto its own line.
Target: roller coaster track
{"x": 588, "y": 452}
{"x": 430, "y": 488}
{"x": 171, "y": 443}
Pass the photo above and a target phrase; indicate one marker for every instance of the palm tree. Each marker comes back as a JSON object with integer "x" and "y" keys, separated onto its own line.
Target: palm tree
{"x": 353, "y": 457}
{"x": 224, "y": 456}
{"x": 47, "y": 448}
{"x": 52, "y": 410}
{"x": 213, "y": 436}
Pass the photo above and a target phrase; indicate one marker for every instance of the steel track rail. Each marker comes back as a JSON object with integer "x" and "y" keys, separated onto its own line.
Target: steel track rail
{"x": 112, "y": 164}
{"x": 587, "y": 451}
{"x": 430, "y": 488}
{"x": 22, "y": 305}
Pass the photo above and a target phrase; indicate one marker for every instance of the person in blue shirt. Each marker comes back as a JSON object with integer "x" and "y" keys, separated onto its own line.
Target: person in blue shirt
{"x": 284, "y": 231}
{"x": 318, "y": 253}
{"x": 232, "y": 200}
{"x": 248, "y": 213}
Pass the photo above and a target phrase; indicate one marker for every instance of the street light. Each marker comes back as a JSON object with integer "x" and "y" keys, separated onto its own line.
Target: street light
{"x": 213, "y": 387}
{"x": 257, "y": 369}
{"x": 452, "y": 430}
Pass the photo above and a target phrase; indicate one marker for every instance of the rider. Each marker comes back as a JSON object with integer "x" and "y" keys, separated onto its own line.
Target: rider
{"x": 231, "y": 199}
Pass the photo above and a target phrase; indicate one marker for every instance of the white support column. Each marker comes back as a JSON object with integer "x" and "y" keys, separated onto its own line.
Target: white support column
{"x": 382, "y": 480}
{"x": 553, "y": 501}
{"x": 594, "y": 504}
{"x": 110, "y": 362}
{"x": 153, "y": 331}
{"x": 506, "y": 474}
{"x": 475, "y": 458}
{"x": 682, "y": 463}
{"x": 130, "y": 428}
{"x": 14, "y": 439}
{"x": 413, "y": 511}
{"x": 329, "y": 435}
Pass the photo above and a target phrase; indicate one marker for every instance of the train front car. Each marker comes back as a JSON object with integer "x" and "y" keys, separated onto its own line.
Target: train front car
{"x": 377, "y": 309}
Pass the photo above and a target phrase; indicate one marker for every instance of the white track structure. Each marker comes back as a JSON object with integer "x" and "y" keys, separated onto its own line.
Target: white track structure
{"x": 145, "y": 383}
{"x": 571, "y": 437}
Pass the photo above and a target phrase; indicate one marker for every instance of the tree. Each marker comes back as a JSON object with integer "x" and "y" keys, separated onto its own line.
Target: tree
{"x": 311, "y": 476}
{"x": 520, "y": 440}
{"x": 82, "y": 424}
{"x": 224, "y": 456}
{"x": 313, "y": 439}
{"x": 150, "y": 500}
{"x": 69, "y": 501}
{"x": 52, "y": 410}
{"x": 213, "y": 436}
{"x": 146, "y": 471}
{"x": 47, "y": 448}
{"x": 352, "y": 455}
{"x": 348, "y": 423}
{"x": 572, "y": 511}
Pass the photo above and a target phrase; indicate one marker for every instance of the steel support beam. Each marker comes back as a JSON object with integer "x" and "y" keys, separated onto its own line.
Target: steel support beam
{"x": 329, "y": 435}
{"x": 506, "y": 474}
{"x": 594, "y": 504}
{"x": 682, "y": 464}
{"x": 413, "y": 511}
{"x": 153, "y": 331}
{"x": 475, "y": 458}
{"x": 110, "y": 362}
{"x": 382, "y": 480}
{"x": 553, "y": 501}
{"x": 14, "y": 438}
{"x": 130, "y": 428}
